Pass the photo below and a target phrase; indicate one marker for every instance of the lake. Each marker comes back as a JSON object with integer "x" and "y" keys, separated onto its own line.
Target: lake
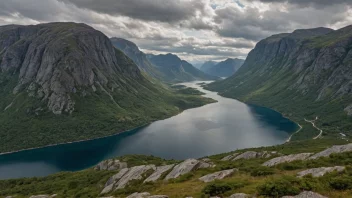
{"x": 211, "y": 129}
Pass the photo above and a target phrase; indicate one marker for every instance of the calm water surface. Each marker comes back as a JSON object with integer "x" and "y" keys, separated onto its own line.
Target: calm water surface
{"x": 215, "y": 128}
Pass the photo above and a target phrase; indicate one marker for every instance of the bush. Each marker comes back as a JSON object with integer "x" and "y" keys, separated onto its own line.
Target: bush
{"x": 262, "y": 171}
{"x": 220, "y": 188}
{"x": 280, "y": 187}
{"x": 341, "y": 183}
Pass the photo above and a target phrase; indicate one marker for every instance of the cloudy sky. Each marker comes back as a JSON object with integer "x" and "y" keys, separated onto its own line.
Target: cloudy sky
{"x": 196, "y": 30}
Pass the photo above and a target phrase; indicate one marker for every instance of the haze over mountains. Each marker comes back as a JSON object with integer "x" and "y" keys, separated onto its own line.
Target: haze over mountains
{"x": 224, "y": 68}
{"x": 304, "y": 74}
{"x": 168, "y": 68}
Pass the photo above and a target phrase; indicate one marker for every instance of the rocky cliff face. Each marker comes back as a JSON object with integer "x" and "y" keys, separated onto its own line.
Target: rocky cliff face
{"x": 225, "y": 68}
{"x": 207, "y": 65}
{"x": 55, "y": 60}
{"x": 306, "y": 68}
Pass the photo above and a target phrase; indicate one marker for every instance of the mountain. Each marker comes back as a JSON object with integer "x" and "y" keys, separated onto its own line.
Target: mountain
{"x": 207, "y": 65}
{"x": 62, "y": 82}
{"x": 177, "y": 69}
{"x": 225, "y": 68}
{"x": 306, "y": 75}
{"x": 139, "y": 58}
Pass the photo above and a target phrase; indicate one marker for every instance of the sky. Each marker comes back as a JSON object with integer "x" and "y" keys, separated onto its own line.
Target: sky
{"x": 195, "y": 30}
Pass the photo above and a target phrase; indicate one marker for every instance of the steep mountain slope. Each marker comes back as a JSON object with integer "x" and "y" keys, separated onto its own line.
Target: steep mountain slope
{"x": 139, "y": 58}
{"x": 207, "y": 65}
{"x": 225, "y": 68}
{"x": 304, "y": 74}
{"x": 62, "y": 82}
{"x": 178, "y": 70}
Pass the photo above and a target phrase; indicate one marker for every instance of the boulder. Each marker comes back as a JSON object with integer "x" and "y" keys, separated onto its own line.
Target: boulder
{"x": 252, "y": 155}
{"x": 287, "y": 158}
{"x": 203, "y": 164}
{"x": 158, "y": 172}
{"x": 241, "y": 195}
{"x": 217, "y": 175}
{"x": 43, "y": 196}
{"x": 306, "y": 194}
{"x": 318, "y": 172}
{"x": 109, "y": 185}
{"x": 135, "y": 173}
{"x": 183, "y": 168}
{"x": 229, "y": 157}
{"x": 111, "y": 164}
{"x": 333, "y": 149}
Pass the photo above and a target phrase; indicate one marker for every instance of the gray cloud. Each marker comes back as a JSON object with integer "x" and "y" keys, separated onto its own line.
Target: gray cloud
{"x": 149, "y": 10}
{"x": 305, "y": 3}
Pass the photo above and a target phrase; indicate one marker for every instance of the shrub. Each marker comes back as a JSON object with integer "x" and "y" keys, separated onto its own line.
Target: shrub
{"x": 341, "y": 183}
{"x": 220, "y": 188}
{"x": 262, "y": 171}
{"x": 280, "y": 187}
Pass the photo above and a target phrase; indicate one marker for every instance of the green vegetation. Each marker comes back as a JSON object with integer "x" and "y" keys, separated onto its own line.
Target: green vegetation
{"x": 251, "y": 178}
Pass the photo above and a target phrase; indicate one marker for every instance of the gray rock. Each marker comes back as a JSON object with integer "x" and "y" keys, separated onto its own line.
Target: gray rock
{"x": 43, "y": 196}
{"x": 139, "y": 195}
{"x": 318, "y": 172}
{"x": 111, "y": 164}
{"x": 217, "y": 175}
{"x": 333, "y": 149}
{"x": 306, "y": 194}
{"x": 109, "y": 185}
{"x": 287, "y": 158}
{"x": 252, "y": 155}
{"x": 348, "y": 110}
{"x": 158, "y": 196}
{"x": 135, "y": 173}
{"x": 241, "y": 195}
{"x": 158, "y": 172}
{"x": 183, "y": 168}
{"x": 203, "y": 164}
{"x": 229, "y": 157}
{"x": 206, "y": 160}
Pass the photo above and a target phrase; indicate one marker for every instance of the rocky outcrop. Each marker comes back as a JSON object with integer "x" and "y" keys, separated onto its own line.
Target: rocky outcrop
{"x": 318, "y": 172}
{"x": 109, "y": 185}
{"x": 333, "y": 149}
{"x": 145, "y": 195}
{"x": 135, "y": 173}
{"x": 217, "y": 175}
{"x": 43, "y": 196}
{"x": 241, "y": 195}
{"x": 252, "y": 155}
{"x": 158, "y": 172}
{"x": 229, "y": 157}
{"x": 110, "y": 165}
{"x": 206, "y": 164}
{"x": 306, "y": 194}
{"x": 183, "y": 168}
{"x": 287, "y": 158}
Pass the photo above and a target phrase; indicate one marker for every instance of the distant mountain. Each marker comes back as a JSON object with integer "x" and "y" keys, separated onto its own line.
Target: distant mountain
{"x": 225, "y": 68}
{"x": 178, "y": 70}
{"x": 306, "y": 74}
{"x": 64, "y": 82}
{"x": 207, "y": 65}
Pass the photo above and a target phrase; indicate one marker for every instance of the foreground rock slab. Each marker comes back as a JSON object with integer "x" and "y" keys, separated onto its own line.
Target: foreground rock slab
{"x": 252, "y": 155}
{"x": 241, "y": 195}
{"x": 183, "y": 168}
{"x": 158, "y": 172}
{"x": 287, "y": 158}
{"x": 109, "y": 185}
{"x": 135, "y": 173}
{"x": 333, "y": 149}
{"x": 145, "y": 195}
{"x": 111, "y": 164}
{"x": 306, "y": 194}
{"x": 318, "y": 172}
{"x": 217, "y": 175}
